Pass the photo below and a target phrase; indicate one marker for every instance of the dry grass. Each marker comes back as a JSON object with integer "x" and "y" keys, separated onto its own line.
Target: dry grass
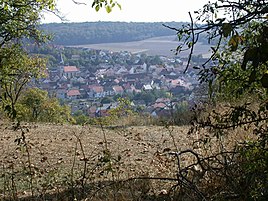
{"x": 60, "y": 160}
{"x": 137, "y": 145}
{"x": 55, "y": 154}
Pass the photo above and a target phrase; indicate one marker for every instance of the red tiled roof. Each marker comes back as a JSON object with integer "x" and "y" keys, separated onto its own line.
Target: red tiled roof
{"x": 118, "y": 88}
{"x": 97, "y": 89}
{"x": 73, "y": 92}
{"x": 159, "y": 105}
{"x": 162, "y": 100}
{"x": 127, "y": 86}
{"x": 69, "y": 69}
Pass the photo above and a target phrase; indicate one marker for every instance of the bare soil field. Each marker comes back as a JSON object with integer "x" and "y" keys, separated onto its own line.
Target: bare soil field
{"x": 66, "y": 162}
{"x": 164, "y": 45}
{"x": 57, "y": 155}
{"x": 136, "y": 145}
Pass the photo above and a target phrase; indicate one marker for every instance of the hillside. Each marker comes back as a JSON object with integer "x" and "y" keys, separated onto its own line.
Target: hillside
{"x": 56, "y": 151}
{"x": 163, "y": 45}
{"x": 61, "y": 162}
{"x": 106, "y": 32}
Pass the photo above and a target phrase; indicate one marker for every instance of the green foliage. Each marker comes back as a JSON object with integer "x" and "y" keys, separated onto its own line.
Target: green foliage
{"x": 106, "y": 100}
{"x": 236, "y": 74}
{"x": 18, "y": 69}
{"x": 107, "y": 4}
{"x": 35, "y": 105}
{"x": 20, "y": 19}
{"x": 105, "y": 32}
{"x": 150, "y": 96}
{"x": 80, "y": 118}
{"x": 255, "y": 164}
{"x": 119, "y": 114}
{"x": 124, "y": 108}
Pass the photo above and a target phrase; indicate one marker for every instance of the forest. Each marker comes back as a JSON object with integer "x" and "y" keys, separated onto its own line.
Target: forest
{"x": 106, "y": 32}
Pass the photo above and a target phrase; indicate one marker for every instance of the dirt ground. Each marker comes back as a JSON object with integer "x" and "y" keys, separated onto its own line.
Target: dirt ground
{"x": 132, "y": 151}
{"x": 51, "y": 157}
{"x": 137, "y": 146}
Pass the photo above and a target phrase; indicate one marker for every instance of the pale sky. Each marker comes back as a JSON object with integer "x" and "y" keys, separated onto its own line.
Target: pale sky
{"x": 132, "y": 11}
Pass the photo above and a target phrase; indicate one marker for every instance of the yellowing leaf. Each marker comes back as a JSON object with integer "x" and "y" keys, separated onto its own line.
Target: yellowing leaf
{"x": 234, "y": 42}
{"x": 97, "y": 8}
{"x": 108, "y": 9}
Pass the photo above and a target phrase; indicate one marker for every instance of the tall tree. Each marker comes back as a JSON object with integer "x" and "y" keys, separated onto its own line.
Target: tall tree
{"x": 35, "y": 105}
{"x": 17, "y": 71}
{"x": 20, "y": 19}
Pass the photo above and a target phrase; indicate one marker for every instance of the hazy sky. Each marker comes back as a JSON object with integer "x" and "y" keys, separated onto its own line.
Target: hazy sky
{"x": 132, "y": 11}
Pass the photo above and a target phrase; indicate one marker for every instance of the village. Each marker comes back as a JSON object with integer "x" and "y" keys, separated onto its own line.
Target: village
{"x": 95, "y": 92}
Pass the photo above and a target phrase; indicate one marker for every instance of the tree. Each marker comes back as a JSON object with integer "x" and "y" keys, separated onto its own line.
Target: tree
{"x": 107, "y": 100}
{"x": 236, "y": 74}
{"x": 19, "y": 22}
{"x": 107, "y": 4}
{"x": 36, "y": 106}
{"x": 56, "y": 113}
{"x": 80, "y": 118}
{"x": 20, "y": 19}
{"x": 18, "y": 69}
{"x": 33, "y": 100}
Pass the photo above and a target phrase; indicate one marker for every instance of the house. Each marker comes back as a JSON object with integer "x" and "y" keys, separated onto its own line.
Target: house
{"x": 92, "y": 111}
{"x": 101, "y": 111}
{"x": 162, "y": 103}
{"x": 96, "y": 91}
{"x": 147, "y": 87}
{"x": 159, "y": 105}
{"x": 121, "y": 70}
{"x": 162, "y": 100}
{"x": 108, "y": 90}
{"x": 129, "y": 88}
{"x": 100, "y": 73}
{"x": 118, "y": 89}
{"x": 70, "y": 71}
{"x": 179, "y": 90}
{"x": 73, "y": 94}
{"x": 160, "y": 112}
{"x": 157, "y": 83}
{"x": 45, "y": 84}
{"x": 90, "y": 76}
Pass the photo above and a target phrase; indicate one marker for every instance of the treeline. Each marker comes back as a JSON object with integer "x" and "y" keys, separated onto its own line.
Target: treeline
{"x": 106, "y": 32}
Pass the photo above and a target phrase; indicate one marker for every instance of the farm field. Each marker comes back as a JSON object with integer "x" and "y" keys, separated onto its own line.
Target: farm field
{"x": 59, "y": 154}
{"x": 164, "y": 46}
{"x": 66, "y": 162}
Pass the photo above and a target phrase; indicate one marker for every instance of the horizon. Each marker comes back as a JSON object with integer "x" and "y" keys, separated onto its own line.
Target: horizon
{"x": 132, "y": 11}
{"x": 69, "y": 22}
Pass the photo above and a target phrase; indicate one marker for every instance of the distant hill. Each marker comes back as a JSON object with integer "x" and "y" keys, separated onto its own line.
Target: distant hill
{"x": 106, "y": 32}
{"x": 162, "y": 45}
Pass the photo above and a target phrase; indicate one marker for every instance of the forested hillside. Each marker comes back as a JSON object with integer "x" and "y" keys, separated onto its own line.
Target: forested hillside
{"x": 105, "y": 32}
